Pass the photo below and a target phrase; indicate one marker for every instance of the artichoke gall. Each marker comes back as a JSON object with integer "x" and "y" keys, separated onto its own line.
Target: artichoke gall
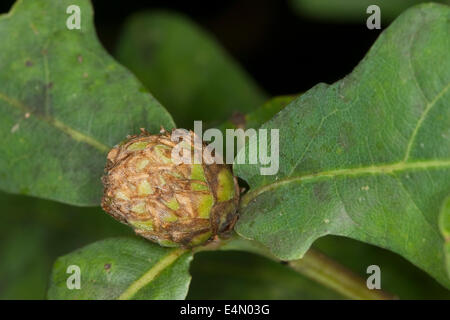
{"x": 168, "y": 203}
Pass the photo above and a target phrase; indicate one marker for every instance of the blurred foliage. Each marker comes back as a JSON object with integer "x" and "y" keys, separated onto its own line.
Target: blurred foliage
{"x": 238, "y": 275}
{"x": 185, "y": 68}
{"x": 257, "y": 117}
{"x": 254, "y": 119}
{"x": 444, "y": 226}
{"x": 346, "y": 11}
{"x": 35, "y": 232}
{"x": 398, "y": 276}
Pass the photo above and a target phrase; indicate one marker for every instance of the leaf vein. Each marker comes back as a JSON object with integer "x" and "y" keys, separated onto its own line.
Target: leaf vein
{"x": 415, "y": 205}
{"x": 311, "y": 140}
{"x": 421, "y": 119}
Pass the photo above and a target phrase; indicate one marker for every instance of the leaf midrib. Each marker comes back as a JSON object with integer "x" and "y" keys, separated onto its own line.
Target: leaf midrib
{"x": 152, "y": 273}
{"x": 382, "y": 169}
{"x": 73, "y": 133}
{"x": 348, "y": 172}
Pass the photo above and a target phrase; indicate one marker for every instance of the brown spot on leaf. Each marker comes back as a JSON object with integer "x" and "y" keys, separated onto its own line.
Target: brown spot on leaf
{"x": 28, "y": 63}
{"x": 80, "y": 58}
{"x": 36, "y": 96}
{"x": 346, "y": 139}
{"x": 321, "y": 191}
{"x": 107, "y": 266}
{"x": 238, "y": 119}
{"x": 33, "y": 27}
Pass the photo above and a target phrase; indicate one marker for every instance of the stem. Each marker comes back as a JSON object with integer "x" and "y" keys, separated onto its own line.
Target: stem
{"x": 314, "y": 265}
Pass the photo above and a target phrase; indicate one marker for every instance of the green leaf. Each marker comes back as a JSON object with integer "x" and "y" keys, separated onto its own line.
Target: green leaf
{"x": 123, "y": 268}
{"x": 185, "y": 68}
{"x": 367, "y": 157}
{"x": 63, "y": 103}
{"x": 352, "y": 10}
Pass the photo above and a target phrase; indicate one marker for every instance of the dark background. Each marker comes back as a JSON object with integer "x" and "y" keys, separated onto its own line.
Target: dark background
{"x": 284, "y": 52}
